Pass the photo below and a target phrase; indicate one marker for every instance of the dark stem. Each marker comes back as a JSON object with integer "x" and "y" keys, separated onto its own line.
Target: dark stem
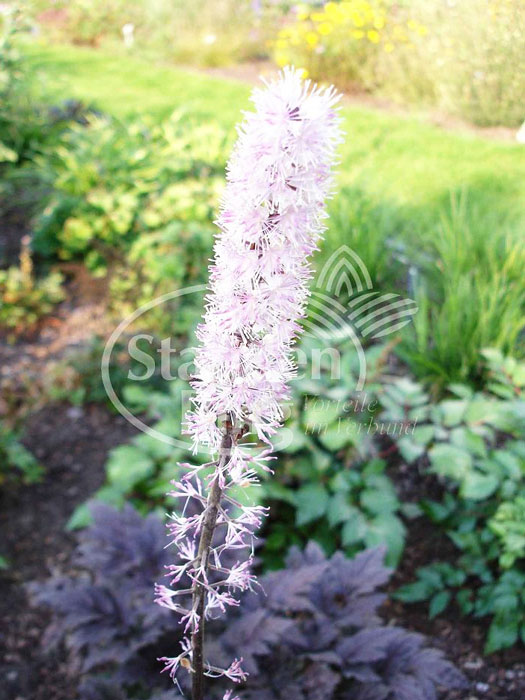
{"x": 199, "y": 592}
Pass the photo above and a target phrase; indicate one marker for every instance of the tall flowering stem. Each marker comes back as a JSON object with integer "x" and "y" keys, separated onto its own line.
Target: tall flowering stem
{"x": 271, "y": 220}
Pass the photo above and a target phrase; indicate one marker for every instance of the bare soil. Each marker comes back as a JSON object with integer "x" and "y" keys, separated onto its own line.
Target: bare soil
{"x": 72, "y": 444}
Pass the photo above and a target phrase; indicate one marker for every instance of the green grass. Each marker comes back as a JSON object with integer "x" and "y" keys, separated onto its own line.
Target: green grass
{"x": 401, "y": 180}
{"x": 397, "y": 158}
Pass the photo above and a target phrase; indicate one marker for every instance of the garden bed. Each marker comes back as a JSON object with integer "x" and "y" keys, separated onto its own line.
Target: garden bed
{"x": 434, "y": 215}
{"x": 72, "y": 443}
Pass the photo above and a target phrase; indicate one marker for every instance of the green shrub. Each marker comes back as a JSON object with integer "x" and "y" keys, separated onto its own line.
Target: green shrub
{"x": 25, "y": 124}
{"x": 159, "y": 262}
{"x": 110, "y": 183}
{"x": 469, "y": 59}
{"x": 508, "y": 523}
{"x": 461, "y": 57}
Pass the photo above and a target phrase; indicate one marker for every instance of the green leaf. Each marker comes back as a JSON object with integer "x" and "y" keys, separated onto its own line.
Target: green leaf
{"x": 438, "y": 603}
{"x": 478, "y": 486}
{"x": 506, "y": 603}
{"x": 468, "y": 440}
{"x": 374, "y": 466}
{"x": 503, "y": 633}
{"x": 482, "y": 411}
{"x": 389, "y": 530}
{"x": 311, "y": 502}
{"x": 437, "y": 512}
{"x": 453, "y": 412}
{"x": 464, "y": 600}
{"x": 320, "y": 413}
{"x": 156, "y": 449}
{"x": 411, "y": 511}
{"x": 80, "y": 518}
{"x": 342, "y": 481}
{"x": 378, "y": 502}
{"x": 127, "y": 466}
{"x": 7, "y": 154}
{"x": 450, "y": 461}
{"x": 274, "y": 491}
{"x": 461, "y": 390}
{"x": 409, "y": 449}
{"x": 354, "y": 529}
{"x": 339, "y": 509}
{"x": 509, "y": 462}
{"x": 337, "y": 436}
{"x": 414, "y": 592}
{"x": 289, "y": 439}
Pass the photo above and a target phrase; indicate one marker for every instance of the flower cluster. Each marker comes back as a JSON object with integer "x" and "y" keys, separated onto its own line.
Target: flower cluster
{"x": 270, "y": 222}
{"x": 341, "y": 36}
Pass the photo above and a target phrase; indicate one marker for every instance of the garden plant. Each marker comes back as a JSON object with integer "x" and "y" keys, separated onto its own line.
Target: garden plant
{"x": 271, "y": 219}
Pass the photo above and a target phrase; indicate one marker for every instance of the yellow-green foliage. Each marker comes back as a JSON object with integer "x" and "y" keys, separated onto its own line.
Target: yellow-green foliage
{"x": 473, "y": 59}
{"x": 23, "y": 298}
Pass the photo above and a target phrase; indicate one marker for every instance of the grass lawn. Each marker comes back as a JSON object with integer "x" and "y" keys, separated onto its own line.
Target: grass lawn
{"x": 393, "y": 158}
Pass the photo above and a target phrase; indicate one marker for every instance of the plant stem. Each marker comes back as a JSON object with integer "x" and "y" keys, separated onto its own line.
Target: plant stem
{"x": 199, "y": 592}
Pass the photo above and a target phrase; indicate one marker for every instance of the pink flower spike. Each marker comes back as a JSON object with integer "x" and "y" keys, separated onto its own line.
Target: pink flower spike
{"x": 270, "y": 222}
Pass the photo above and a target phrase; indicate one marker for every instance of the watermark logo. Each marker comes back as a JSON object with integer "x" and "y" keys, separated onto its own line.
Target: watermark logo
{"x": 345, "y": 305}
{"x": 344, "y": 310}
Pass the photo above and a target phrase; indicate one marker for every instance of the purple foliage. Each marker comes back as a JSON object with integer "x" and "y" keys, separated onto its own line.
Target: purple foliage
{"x": 311, "y": 633}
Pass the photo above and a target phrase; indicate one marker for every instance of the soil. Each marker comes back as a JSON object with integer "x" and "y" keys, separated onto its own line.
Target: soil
{"x": 72, "y": 444}
{"x": 496, "y": 677}
{"x": 28, "y": 363}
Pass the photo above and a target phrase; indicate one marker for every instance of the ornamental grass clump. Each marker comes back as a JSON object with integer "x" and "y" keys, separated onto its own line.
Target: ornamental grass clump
{"x": 270, "y": 222}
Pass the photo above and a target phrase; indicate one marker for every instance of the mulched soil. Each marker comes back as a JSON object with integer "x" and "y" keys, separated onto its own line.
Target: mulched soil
{"x": 72, "y": 444}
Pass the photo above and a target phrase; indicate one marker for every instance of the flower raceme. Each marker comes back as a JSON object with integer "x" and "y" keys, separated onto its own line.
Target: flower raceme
{"x": 271, "y": 219}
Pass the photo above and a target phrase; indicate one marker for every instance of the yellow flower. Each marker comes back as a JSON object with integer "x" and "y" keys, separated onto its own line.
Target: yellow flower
{"x": 325, "y": 28}
{"x": 281, "y": 59}
{"x": 357, "y": 19}
{"x": 422, "y": 30}
{"x": 357, "y": 33}
{"x": 412, "y": 25}
{"x": 318, "y": 16}
{"x": 373, "y": 36}
{"x": 389, "y": 47}
{"x": 304, "y": 73}
{"x": 379, "y": 22}
{"x": 311, "y": 39}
